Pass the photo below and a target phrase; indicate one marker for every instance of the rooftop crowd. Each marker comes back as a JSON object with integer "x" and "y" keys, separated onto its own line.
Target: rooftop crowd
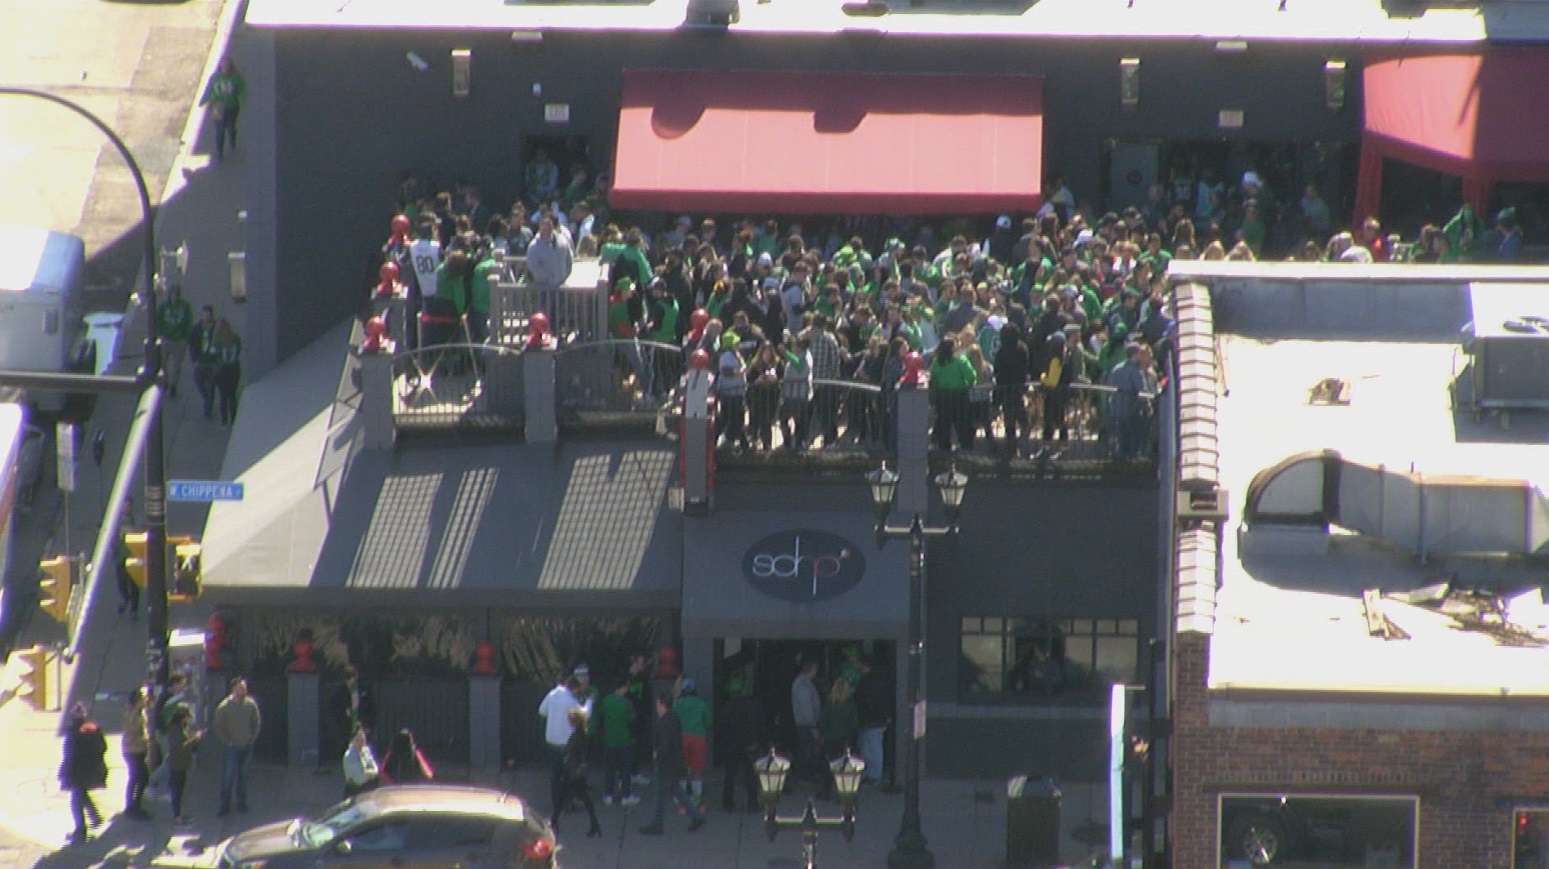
{"x": 809, "y": 326}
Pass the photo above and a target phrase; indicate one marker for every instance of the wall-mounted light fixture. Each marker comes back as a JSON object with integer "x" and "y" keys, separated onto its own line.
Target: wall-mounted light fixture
{"x": 520, "y": 37}
{"x": 1231, "y": 46}
{"x": 1129, "y": 82}
{"x": 1334, "y": 84}
{"x": 1229, "y": 119}
{"x": 462, "y": 71}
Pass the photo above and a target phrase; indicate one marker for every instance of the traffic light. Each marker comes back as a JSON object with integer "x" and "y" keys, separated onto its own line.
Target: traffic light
{"x": 135, "y": 564}
{"x": 34, "y": 680}
{"x": 186, "y": 555}
{"x": 54, "y": 587}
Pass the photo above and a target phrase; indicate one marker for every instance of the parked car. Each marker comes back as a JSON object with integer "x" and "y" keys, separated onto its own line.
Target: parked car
{"x": 403, "y": 827}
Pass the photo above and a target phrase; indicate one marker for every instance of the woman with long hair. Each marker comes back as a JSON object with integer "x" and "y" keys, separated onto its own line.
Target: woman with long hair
{"x": 575, "y": 785}
{"x": 404, "y": 763}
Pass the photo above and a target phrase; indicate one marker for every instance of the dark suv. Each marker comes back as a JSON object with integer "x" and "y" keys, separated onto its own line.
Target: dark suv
{"x": 406, "y": 827}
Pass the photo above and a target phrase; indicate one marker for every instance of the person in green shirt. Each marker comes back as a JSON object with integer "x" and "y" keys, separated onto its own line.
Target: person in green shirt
{"x": 224, "y": 95}
{"x": 952, "y": 375}
{"x": 616, "y": 722}
{"x": 694, "y": 714}
{"x": 174, "y": 322}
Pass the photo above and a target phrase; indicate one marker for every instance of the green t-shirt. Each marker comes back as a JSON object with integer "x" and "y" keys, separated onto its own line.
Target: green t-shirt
{"x": 694, "y": 714}
{"x": 956, "y": 373}
{"x": 616, "y": 713}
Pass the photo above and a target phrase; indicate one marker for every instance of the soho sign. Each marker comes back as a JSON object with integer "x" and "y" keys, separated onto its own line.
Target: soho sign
{"x": 803, "y": 566}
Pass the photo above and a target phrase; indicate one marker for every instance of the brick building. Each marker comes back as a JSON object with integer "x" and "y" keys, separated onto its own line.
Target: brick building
{"x": 1357, "y": 671}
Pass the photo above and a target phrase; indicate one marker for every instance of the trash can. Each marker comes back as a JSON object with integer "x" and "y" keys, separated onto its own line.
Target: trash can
{"x": 1032, "y": 822}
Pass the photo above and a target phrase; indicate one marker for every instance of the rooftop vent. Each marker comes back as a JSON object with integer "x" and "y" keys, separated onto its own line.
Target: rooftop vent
{"x": 1330, "y": 391}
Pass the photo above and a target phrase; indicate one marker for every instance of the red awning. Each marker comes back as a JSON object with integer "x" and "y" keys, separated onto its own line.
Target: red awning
{"x": 828, "y": 143}
{"x": 1471, "y": 115}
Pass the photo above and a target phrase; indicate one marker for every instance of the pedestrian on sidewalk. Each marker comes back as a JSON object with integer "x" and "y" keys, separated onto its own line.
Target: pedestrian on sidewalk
{"x": 352, "y": 708}
{"x": 670, "y": 772}
{"x": 228, "y": 371}
{"x": 404, "y": 763}
{"x": 557, "y": 729}
{"x": 616, "y": 718}
{"x": 201, "y": 352}
{"x": 742, "y": 738}
{"x": 83, "y": 769}
{"x": 361, "y": 773}
{"x": 874, "y": 704}
{"x": 806, "y": 708}
{"x": 224, "y": 95}
{"x": 128, "y": 591}
{"x": 182, "y": 742}
{"x": 575, "y": 785}
{"x": 237, "y": 723}
{"x": 640, "y": 695}
{"x": 694, "y": 717}
{"x": 136, "y": 745}
{"x": 175, "y": 696}
{"x": 175, "y": 320}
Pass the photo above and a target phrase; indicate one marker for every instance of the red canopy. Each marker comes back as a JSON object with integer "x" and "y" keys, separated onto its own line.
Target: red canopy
{"x": 1472, "y": 115}
{"x": 828, "y": 143}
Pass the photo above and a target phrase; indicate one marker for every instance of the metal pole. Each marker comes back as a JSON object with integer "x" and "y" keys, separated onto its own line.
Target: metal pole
{"x": 809, "y": 836}
{"x": 148, "y": 376}
{"x": 909, "y": 846}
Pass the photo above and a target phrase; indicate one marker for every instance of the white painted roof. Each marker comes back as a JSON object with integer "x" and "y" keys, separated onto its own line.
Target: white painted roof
{"x": 1360, "y": 21}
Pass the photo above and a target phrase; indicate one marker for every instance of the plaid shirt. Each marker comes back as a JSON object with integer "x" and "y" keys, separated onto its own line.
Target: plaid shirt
{"x": 825, "y": 355}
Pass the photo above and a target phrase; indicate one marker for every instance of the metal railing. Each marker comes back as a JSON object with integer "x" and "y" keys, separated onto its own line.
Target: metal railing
{"x": 576, "y": 314}
{"x": 616, "y": 376}
{"x": 457, "y": 385}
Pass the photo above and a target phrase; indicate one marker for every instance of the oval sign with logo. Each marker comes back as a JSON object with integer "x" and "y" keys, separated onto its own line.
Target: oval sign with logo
{"x": 803, "y": 566}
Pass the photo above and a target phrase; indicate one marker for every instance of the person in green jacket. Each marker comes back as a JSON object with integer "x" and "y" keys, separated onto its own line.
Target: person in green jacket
{"x": 694, "y": 714}
{"x": 174, "y": 322}
{"x": 616, "y": 722}
{"x": 952, "y": 375}
{"x": 224, "y": 95}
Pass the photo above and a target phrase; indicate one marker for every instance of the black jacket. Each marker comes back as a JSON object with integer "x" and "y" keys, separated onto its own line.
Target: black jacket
{"x": 669, "y": 747}
{"x": 84, "y": 765}
{"x": 1011, "y": 363}
{"x": 874, "y": 700}
{"x": 742, "y": 724}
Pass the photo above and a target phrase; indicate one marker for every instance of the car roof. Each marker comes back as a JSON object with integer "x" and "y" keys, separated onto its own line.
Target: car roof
{"x": 462, "y": 799}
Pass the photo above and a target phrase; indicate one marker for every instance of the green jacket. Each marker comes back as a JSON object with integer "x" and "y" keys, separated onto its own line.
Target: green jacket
{"x": 956, "y": 373}
{"x": 175, "y": 319}
{"x": 225, "y": 91}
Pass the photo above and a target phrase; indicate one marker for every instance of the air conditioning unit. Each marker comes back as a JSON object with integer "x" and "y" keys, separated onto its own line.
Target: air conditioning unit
{"x": 712, "y": 13}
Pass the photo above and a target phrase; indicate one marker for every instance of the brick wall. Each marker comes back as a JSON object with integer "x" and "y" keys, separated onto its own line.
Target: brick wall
{"x": 1466, "y": 780}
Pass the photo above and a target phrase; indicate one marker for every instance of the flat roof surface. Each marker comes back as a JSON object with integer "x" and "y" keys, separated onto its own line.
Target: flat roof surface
{"x": 1321, "y": 20}
{"x": 1295, "y": 622}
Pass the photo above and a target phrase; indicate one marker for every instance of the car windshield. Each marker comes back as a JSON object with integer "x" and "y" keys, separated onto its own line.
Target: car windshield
{"x": 332, "y": 824}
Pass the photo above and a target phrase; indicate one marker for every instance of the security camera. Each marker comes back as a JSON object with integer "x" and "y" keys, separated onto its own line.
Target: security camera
{"x": 419, "y": 63}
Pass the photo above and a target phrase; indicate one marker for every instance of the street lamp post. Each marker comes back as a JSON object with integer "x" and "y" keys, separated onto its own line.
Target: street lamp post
{"x": 910, "y": 847}
{"x": 772, "y": 770}
{"x": 148, "y": 378}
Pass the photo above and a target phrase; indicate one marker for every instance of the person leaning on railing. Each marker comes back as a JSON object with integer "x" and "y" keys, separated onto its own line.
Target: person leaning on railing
{"x": 952, "y": 375}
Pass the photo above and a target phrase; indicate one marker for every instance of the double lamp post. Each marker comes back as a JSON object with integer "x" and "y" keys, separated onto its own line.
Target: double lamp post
{"x": 910, "y": 849}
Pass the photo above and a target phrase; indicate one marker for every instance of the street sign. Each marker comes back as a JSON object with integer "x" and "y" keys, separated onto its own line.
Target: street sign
{"x": 203, "y": 490}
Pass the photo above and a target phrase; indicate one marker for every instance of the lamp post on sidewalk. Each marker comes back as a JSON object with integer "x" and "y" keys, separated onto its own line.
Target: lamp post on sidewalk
{"x": 772, "y": 771}
{"x": 910, "y": 849}
{"x": 148, "y": 378}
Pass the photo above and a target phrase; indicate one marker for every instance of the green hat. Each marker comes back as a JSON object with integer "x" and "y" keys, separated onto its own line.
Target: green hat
{"x": 625, "y": 283}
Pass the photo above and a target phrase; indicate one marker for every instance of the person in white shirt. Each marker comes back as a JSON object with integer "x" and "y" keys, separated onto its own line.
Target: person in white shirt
{"x": 574, "y": 693}
{"x": 360, "y": 766}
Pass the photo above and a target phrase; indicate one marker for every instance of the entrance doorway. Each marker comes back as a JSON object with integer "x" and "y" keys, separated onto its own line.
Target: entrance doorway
{"x": 768, "y": 667}
{"x": 567, "y": 154}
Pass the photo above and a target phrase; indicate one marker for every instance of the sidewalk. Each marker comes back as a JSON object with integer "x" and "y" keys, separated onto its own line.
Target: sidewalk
{"x": 964, "y": 832}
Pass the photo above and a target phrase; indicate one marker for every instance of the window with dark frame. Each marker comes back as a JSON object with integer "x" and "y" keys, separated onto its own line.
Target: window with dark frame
{"x": 1045, "y": 659}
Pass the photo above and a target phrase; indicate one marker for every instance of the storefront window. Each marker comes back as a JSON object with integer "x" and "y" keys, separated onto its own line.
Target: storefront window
{"x": 1317, "y": 832}
{"x": 1046, "y": 660}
